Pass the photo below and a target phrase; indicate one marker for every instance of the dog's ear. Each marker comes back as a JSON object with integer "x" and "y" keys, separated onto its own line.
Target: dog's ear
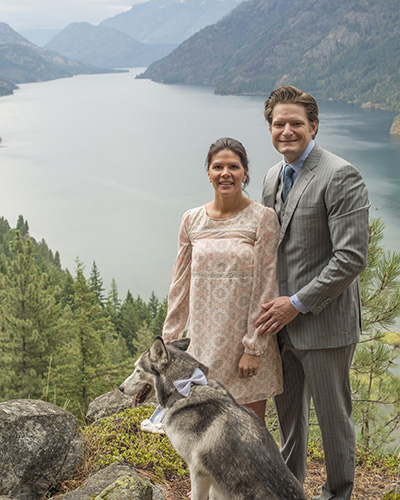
{"x": 181, "y": 344}
{"x": 158, "y": 352}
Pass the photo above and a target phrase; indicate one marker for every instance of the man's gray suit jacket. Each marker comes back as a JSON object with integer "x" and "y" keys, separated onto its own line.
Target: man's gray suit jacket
{"x": 322, "y": 248}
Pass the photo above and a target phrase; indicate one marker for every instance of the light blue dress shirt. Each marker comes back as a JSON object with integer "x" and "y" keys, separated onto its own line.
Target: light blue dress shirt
{"x": 297, "y": 165}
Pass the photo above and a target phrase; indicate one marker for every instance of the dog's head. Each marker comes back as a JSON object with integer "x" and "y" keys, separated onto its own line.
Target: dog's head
{"x": 141, "y": 383}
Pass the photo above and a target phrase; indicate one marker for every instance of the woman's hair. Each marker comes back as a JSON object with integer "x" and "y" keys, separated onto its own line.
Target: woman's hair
{"x": 226, "y": 143}
{"x": 287, "y": 94}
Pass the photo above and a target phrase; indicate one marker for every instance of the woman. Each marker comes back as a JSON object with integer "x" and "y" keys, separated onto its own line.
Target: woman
{"x": 226, "y": 268}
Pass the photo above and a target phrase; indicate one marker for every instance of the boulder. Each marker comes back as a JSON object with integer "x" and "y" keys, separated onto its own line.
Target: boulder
{"x": 38, "y": 447}
{"x": 395, "y": 128}
{"x": 118, "y": 481}
{"x": 107, "y": 404}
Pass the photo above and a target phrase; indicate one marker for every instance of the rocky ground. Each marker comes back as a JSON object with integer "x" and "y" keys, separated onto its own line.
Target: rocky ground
{"x": 369, "y": 485}
{"x": 120, "y": 438}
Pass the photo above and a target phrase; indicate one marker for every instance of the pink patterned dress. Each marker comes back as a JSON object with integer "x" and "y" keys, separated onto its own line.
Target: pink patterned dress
{"x": 224, "y": 270}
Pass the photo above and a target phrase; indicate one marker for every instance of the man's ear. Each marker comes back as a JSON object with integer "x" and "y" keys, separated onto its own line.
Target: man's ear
{"x": 158, "y": 352}
{"x": 314, "y": 128}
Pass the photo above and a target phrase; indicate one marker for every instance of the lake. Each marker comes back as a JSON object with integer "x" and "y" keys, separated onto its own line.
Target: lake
{"x": 103, "y": 166}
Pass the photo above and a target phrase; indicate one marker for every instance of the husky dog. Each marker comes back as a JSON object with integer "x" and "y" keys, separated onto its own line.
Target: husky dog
{"x": 230, "y": 453}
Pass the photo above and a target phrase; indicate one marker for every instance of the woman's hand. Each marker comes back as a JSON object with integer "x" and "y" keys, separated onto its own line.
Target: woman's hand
{"x": 248, "y": 365}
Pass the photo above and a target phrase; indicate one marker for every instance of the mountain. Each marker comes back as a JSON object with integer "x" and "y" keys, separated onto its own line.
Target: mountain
{"x": 105, "y": 47}
{"x": 169, "y": 21}
{"x": 344, "y": 50}
{"x": 21, "y": 62}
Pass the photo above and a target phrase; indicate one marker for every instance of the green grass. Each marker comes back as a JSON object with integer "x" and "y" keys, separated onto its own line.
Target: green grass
{"x": 119, "y": 438}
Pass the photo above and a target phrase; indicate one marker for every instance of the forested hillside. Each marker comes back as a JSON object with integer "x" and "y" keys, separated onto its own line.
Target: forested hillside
{"x": 63, "y": 337}
{"x": 345, "y": 50}
{"x": 23, "y": 62}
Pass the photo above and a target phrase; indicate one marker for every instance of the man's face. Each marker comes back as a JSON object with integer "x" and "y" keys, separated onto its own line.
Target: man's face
{"x": 290, "y": 130}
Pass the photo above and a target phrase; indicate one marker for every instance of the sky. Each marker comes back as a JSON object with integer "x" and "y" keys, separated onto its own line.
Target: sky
{"x": 25, "y": 15}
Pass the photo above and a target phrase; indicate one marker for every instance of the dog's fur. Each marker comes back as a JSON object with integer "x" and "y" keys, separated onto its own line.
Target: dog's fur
{"x": 230, "y": 454}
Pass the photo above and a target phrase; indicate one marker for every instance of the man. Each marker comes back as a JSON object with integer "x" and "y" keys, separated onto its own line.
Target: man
{"x": 322, "y": 204}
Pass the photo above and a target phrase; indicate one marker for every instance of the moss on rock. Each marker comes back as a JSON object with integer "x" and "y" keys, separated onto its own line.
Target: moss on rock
{"x": 127, "y": 488}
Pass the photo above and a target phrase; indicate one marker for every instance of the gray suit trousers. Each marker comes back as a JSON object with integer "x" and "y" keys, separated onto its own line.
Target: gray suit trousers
{"x": 322, "y": 374}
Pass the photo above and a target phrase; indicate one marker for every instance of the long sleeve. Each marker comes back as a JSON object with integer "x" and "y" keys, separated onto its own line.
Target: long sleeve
{"x": 347, "y": 203}
{"x": 265, "y": 284}
{"x": 178, "y": 296}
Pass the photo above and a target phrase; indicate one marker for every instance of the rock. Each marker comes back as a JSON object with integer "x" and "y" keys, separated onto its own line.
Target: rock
{"x": 117, "y": 479}
{"x": 395, "y": 128}
{"x": 127, "y": 488}
{"x": 38, "y": 447}
{"x": 74, "y": 457}
{"x": 107, "y": 404}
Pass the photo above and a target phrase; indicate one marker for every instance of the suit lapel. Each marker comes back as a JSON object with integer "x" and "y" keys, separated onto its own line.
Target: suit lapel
{"x": 307, "y": 172}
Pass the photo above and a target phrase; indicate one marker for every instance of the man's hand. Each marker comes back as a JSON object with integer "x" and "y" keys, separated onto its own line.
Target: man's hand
{"x": 248, "y": 365}
{"x": 278, "y": 313}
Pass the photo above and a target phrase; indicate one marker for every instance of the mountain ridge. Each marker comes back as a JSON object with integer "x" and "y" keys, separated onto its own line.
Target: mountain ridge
{"x": 105, "y": 47}
{"x": 140, "y": 36}
{"x": 348, "y": 50}
{"x": 169, "y": 21}
{"x": 23, "y": 62}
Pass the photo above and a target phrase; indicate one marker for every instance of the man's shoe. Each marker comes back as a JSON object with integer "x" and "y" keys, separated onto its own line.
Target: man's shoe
{"x": 318, "y": 492}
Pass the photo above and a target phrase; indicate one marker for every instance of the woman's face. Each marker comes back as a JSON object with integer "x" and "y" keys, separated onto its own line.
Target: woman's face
{"x": 226, "y": 173}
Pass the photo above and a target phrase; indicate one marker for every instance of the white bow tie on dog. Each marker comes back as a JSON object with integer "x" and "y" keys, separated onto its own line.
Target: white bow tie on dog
{"x": 184, "y": 386}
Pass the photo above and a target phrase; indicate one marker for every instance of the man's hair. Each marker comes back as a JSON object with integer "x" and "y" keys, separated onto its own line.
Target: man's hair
{"x": 287, "y": 94}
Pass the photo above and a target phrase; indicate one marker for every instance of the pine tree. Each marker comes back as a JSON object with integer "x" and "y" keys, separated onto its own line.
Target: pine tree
{"x": 153, "y": 305}
{"x": 129, "y": 323}
{"x": 30, "y": 331}
{"x": 157, "y": 323}
{"x": 143, "y": 340}
{"x": 96, "y": 284}
{"x": 376, "y": 390}
{"x": 23, "y": 227}
{"x": 134, "y": 314}
{"x": 142, "y": 310}
{"x": 113, "y": 306}
{"x": 57, "y": 259}
{"x": 66, "y": 296}
{"x": 84, "y": 370}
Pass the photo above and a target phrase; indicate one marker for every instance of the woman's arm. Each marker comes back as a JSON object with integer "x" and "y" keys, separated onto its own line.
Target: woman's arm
{"x": 178, "y": 296}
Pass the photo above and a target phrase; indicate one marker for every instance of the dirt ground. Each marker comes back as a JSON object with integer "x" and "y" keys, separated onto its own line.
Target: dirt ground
{"x": 369, "y": 485}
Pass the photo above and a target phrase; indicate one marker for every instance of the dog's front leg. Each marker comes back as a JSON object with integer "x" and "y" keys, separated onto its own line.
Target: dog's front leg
{"x": 215, "y": 493}
{"x": 200, "y": 484}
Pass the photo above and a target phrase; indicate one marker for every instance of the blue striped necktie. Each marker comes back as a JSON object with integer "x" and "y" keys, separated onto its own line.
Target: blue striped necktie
{"x": 287, "y": 182}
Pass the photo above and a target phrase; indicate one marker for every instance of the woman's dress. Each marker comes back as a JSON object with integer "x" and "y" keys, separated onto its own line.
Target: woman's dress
{"x": 224, "y": 271}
